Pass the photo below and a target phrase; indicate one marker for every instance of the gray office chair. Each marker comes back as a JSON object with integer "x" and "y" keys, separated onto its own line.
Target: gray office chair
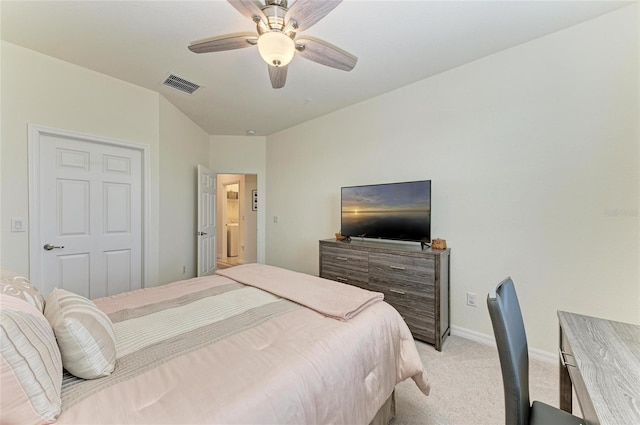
{"x": 511, "y": 339}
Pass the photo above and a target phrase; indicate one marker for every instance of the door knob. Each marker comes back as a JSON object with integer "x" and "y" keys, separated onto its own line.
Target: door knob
{"x": 49, "y": 247}
{"x": 202, "y": 233}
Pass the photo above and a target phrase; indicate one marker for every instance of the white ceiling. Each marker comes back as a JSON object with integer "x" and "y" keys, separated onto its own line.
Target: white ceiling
{"x": 397, "y": 42}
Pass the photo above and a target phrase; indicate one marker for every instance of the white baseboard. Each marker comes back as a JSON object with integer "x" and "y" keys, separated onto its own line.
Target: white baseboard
{"x": 540, "y": 355}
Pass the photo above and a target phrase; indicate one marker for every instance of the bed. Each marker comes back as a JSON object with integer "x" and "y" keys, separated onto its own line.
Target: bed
{"x": 253, "y": 344}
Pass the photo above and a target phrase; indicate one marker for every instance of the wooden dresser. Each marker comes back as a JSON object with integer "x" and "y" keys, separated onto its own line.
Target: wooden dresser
{"x": 414, "y": 281}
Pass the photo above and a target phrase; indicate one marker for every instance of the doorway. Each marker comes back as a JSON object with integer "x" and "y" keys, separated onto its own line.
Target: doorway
{"x": 237, "y": 220}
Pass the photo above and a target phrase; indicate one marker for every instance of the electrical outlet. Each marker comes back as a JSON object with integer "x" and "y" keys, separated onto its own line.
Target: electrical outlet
{"x": 472, "y": 299}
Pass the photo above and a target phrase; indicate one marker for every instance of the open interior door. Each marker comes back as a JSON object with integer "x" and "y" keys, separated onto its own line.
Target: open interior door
{"x": 206, "y": 221}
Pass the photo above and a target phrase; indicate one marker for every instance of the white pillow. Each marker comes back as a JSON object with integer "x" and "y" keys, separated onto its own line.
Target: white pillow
{"x": 11, "y": 283}
{"x": 84, "y": 333}
{"x": 30, "y": 365}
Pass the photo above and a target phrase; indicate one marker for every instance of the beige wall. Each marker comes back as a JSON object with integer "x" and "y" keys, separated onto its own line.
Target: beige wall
{"x": 244, "y": 155}
{"x": 534, "y": 157}
{"x": 183, "y": 145}
{"x": 45, "y": 91}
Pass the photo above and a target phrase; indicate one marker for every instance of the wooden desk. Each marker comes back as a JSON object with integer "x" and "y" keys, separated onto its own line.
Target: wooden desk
{"x": 603, "y": 364}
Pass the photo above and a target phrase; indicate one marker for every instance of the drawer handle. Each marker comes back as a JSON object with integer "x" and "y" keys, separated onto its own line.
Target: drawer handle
{"x": 397, "y": 267}
{"x": 563, "y": 360}
{"x": 342, "y": 279}
{"x": 395, "y": 291}
{"x": 342, "y": 258}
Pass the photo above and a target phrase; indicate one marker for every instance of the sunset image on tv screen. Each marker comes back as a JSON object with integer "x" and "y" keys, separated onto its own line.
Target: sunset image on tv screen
{"x": 392, "y": 211}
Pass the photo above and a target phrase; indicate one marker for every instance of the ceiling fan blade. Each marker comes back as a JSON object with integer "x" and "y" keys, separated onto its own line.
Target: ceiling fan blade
{"x": 278, "y": 76}
{"x": 308, "y": 12}
{"x": 324, "y": 53}
{"x": 224, "y": 42}
{"x": 249, "y": 8}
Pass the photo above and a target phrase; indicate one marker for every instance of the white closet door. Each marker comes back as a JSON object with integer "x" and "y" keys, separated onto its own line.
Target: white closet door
{"x": 90, "y": 216}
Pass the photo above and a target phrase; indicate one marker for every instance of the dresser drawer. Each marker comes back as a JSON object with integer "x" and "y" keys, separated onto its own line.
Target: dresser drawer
{"x": 418, "y": 311}
{"x": 422, "y": 328}
{"x": 346, "y": 266}
{"x": 408, "y": 274}
{"x": 418, "y": 305}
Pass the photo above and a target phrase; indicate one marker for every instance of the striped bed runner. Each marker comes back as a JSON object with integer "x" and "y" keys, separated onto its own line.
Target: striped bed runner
{"x": 153, "y": 334}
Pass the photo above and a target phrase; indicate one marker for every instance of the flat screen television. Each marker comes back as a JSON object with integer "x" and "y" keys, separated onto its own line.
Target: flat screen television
{"x": 396, "y": 211}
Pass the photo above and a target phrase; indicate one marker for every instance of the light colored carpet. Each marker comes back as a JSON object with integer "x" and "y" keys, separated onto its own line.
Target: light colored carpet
{"x": 466, "y": 386}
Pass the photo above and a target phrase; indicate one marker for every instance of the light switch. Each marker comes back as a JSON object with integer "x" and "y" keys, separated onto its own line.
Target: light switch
{"x": 18, "y": 225}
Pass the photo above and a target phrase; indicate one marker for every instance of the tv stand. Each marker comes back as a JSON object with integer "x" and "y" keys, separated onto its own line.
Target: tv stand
{"x": 424, "y": 245}
{"x": 415, "y": 281}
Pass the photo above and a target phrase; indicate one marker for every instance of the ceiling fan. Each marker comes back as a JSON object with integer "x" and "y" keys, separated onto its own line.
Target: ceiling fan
{"x": 277, "y": 28}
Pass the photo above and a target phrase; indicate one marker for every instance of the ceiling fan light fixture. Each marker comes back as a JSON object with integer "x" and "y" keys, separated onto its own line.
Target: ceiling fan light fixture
{"x": 276, "y": 48}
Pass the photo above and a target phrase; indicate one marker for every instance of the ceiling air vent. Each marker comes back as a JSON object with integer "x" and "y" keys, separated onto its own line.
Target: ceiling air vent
{"x": 181, "y": 84}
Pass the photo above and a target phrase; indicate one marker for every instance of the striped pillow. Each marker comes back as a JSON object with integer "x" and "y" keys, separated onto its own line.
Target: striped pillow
{"x": 12, "y": 283}
{"x": 30, "y": 365}
{"x": 84, "y": 333}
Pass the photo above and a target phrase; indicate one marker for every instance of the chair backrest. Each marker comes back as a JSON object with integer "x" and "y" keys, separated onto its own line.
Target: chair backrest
{"x": 508, "y": 328}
